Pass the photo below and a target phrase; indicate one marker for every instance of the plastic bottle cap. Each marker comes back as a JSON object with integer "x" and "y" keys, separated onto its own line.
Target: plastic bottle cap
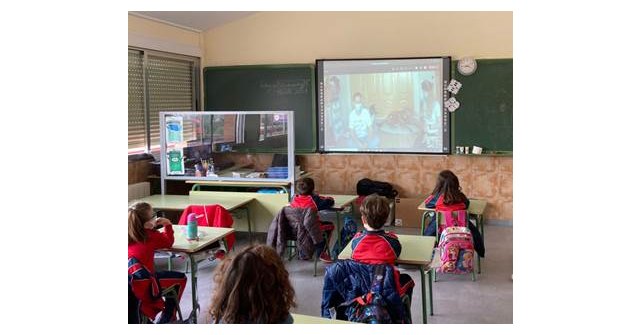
{"x": 191, "y": 217}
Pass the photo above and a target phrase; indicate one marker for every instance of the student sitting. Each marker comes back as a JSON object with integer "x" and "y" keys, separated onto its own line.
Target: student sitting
{"x": 448, "y": 196}
{"x": 306, "y": 198}
{"x": 252, "y": 287}
{"x": 144, "y": 240}
{"x": 376, "y": 246}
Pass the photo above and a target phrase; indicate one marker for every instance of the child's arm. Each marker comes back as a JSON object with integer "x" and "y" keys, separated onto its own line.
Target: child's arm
{"x": 431, "y": 200}
{"x": 393, "y": 241}
{"x": 165, "y": 239}
{"x": 323, "y": 203}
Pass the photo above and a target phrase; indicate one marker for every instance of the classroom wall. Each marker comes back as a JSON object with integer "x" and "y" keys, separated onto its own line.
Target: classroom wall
{"x": 414, "y": 176}
{"x": 154, "y": 35}
{"x": 303, "y": 37}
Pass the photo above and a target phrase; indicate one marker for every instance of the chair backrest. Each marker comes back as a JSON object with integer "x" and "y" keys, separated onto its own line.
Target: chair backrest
{"x": 210, "y": 216}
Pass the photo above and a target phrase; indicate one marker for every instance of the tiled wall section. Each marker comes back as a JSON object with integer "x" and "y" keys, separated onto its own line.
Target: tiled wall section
{"x": 489, "y": 178}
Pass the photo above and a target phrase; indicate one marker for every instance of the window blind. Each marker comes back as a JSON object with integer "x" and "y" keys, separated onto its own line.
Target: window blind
{"x": 158, "y": 83}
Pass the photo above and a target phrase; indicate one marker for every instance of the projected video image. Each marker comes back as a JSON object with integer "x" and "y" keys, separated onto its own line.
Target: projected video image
{"x": 383, "y": 107}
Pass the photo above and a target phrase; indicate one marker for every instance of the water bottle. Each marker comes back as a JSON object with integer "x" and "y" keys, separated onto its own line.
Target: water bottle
{"x": 192, "y": 227}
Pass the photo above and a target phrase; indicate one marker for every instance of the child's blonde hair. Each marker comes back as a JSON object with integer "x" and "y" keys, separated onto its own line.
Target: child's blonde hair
{"x": 139, "y": 213}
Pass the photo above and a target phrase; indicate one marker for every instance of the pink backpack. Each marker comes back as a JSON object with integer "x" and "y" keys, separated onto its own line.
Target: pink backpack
{"x": 456, "y": 244}
{"x": 457, "y": 218}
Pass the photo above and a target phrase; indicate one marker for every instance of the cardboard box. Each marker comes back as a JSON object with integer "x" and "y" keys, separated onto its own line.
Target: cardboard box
{"x": 407, "y": 213}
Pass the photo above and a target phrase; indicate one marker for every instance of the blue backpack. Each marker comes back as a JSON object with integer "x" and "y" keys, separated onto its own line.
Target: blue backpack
{"x": 371, "y": 307}
{"x": 349, "y": 230}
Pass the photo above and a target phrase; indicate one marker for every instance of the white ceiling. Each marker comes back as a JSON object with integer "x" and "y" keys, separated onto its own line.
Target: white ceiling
{"x": 199, "y": 21}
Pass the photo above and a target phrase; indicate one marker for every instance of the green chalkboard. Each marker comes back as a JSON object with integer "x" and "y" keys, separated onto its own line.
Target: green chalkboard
{"x": 485, "y": 116}
{"x": 266, "y": 88}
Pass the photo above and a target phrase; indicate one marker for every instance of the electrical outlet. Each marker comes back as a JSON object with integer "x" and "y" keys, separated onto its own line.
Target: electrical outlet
{"x": 398, "y": 222}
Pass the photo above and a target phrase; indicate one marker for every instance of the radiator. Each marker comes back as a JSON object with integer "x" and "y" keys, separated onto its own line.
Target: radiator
{"x": 139, "y": 190}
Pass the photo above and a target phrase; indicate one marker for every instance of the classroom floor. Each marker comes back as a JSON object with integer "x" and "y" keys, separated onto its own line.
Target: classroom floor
{"x": 457, "y": 299}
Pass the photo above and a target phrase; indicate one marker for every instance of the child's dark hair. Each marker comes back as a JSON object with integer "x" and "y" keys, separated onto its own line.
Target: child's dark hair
{"x": 139, "y": 213}
{"x": 376, "y": 209}
{"x": 448, "y": 186}
{"x": 252, "y": 287}
{"x": 305, "y": 186}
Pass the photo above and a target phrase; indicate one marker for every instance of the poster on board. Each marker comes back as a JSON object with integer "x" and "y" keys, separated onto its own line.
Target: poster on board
{"x": 175, "y": 163}
{"x": 174, "y": 129}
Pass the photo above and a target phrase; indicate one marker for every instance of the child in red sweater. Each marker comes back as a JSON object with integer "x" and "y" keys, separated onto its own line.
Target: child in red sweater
{"x": 376, "y": 246}
{"x": 305, "y": 198}
{"x": 144, "y": 240}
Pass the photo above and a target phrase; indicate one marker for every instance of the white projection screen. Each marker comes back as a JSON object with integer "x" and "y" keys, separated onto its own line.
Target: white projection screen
{"x": 383, "y": 105}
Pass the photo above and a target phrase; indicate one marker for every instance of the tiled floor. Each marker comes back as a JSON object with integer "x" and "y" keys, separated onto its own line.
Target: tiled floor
{"x": 457, "y": 299}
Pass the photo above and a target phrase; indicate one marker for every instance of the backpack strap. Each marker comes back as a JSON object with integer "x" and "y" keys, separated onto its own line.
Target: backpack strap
{"x": 461, "y": 215}
{"x": 448, "y": 219}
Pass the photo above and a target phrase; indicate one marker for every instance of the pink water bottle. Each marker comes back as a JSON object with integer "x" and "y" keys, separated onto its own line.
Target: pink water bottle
{"x": 192, "y": 227}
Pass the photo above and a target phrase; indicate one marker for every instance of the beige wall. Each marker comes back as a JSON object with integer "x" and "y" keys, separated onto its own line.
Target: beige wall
{"x": 154, "y": 35}
{"x": 303, "y": 37}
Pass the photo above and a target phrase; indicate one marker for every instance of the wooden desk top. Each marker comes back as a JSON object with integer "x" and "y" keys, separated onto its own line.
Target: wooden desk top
{"x": 308, "y": 319}
{"x": 207, "y": 235}
{"x": 476, "y": 206}
{"x": 180, "y": 202}
{"x": 416, "y": 250}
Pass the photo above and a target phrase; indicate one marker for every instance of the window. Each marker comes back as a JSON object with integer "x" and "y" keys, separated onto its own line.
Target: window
{"x": 158, "y": 82}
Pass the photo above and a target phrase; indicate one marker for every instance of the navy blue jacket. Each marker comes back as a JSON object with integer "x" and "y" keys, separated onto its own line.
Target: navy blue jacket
{"x": 348, "y": 279}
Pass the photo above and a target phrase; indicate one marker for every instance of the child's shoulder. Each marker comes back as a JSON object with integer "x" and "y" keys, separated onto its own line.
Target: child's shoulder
{"x": 391, "y": 234}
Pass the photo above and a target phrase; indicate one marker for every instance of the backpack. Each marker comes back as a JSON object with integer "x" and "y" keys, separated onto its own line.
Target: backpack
{"x": 367, "y": 186}
{"x": 371, "y": 307}
{"x": 349, "y": 230}
{"x": 457, "y": 218}
{"x": 456, "y": 250}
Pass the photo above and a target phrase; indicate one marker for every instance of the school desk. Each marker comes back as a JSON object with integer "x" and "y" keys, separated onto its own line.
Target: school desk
{"x": 308, "y": 319}
{"x": 340, "y": 202}
{"x": 206, "y": 236}
{"x": 416, "y": 251}
{"x": 180, "y": 202}
{"x": 476, "y": 207}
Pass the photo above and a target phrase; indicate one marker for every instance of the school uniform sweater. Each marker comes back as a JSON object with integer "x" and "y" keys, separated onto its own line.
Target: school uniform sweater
{"x": 315, "y": 201}
{"x": 375, "y": 247}
{"x": 143, "y": 251}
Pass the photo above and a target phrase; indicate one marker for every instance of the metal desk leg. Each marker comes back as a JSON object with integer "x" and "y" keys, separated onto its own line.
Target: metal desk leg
{"x": 424, "y": 215}
{"x": 430, "y": 293}
{"x": 193, "y": 317}
{"x": 246, "y": 208}
{"x": 424, "y": 295}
